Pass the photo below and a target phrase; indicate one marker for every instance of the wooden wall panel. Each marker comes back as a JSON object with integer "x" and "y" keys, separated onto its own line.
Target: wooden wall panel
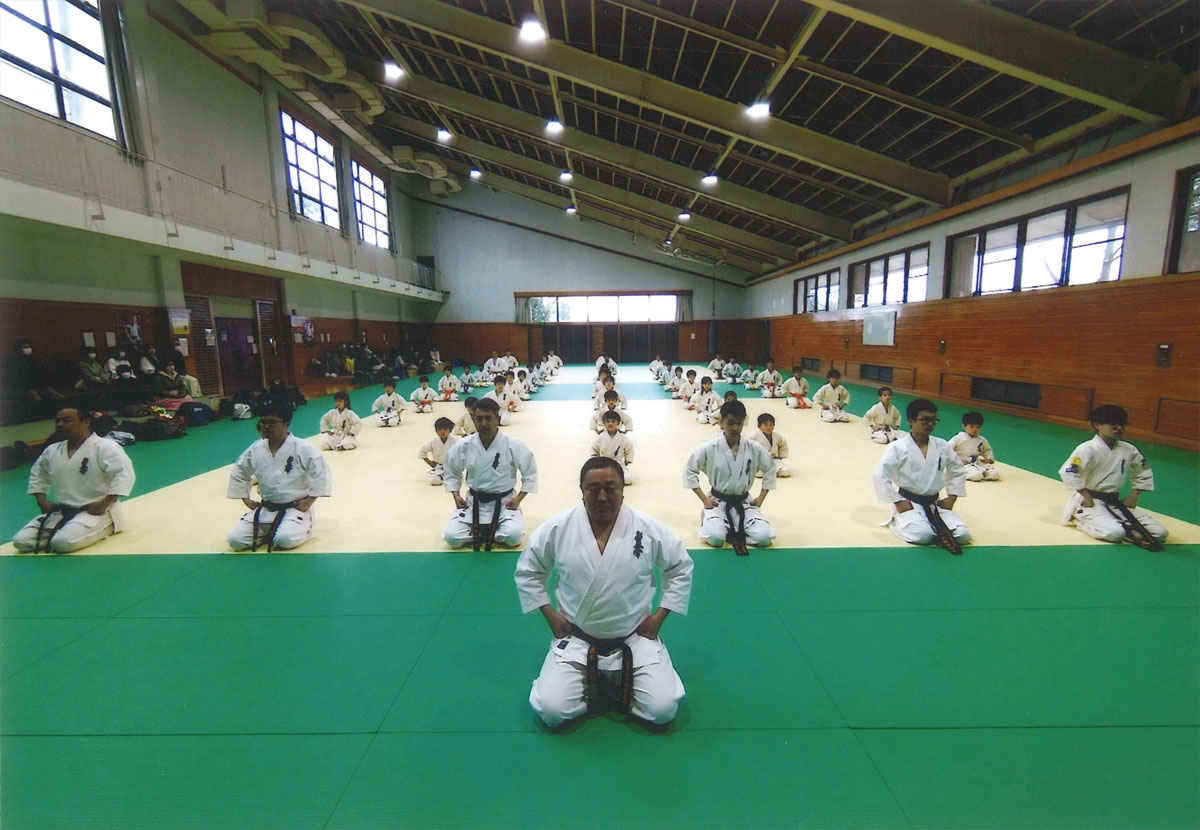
{"x": 228, "y": 282}
{"x": 1178, "y": 418}
{"x": 56, "y": 328}
{"x": 1095, "y": 342}
{"x": 474, "y": 342}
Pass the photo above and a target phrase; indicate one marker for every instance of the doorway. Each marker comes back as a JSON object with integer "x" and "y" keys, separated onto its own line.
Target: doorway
{"x": 238, "y": 351}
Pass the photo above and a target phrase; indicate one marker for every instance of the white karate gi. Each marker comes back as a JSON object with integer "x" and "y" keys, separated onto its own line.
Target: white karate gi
{"x": 597, "y": 424}
{"x": 598, "y": 400}
{"x": 488, "y": 470}
{"x": 511, "y": 360}
{"x": 495, "y": 366}
{"x": 435, "y": 450}
{"x": 296, "y": 471}
{"x": 884, "y": 424}
{"x": 344, "y": 425}
{"x": 423, "y": 397}
{"x": 655, "y": 366}
{"x": 749, "y": 378}
{"x": 777, "y": 447}
{"x": 685, "y": 390}
{"x": 733, "y": 475}
{"x": 715, "y": 366}
{"x": 508, "y": 403}
{"x": 797, "y": 392}
{"x": 707, "y": 406}
{"x": 520, "y": 389}
{"x": 615, "y": 446}
{"x": 770, "y": 382}
{"x": 98, "y": 469}
{"x": 389, "y": 408}
{"x": 731, "y": 372}
{"x": 448, "y": 387}
{"x": 465, "y": 425}
{"x": 976, "y": 455}
{"x": 555, "y": 363}
{"x": 836, "y": 399}
{"x": 904, "y": 465}
{"x": 1095, "y": 466}
{"x": 606, "y": 595}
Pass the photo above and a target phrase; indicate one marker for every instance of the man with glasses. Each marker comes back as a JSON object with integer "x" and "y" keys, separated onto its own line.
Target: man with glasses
{"x": 291, "y": 476}
{"x": 910, "y": 476}
{"x": 604, "y": 554}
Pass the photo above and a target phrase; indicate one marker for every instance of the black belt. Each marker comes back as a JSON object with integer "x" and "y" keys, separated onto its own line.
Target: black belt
{"x": 476, "y": 539}
{"x": 736, "y": 528}
{"x": 597, "y": 648}
{"x": 941, "y": 533}
{"x": 269, "y": 539}
{"x": 1135, "y": 531}
{"x": 67, "y": 512}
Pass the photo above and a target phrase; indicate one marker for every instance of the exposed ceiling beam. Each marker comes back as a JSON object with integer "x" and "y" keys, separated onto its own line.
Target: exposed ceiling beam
{"x": 625, "y": 158}
{"x": 1033, "y": 52}
{"x": 643, "y": 88}
{"x": 595, "y": 190}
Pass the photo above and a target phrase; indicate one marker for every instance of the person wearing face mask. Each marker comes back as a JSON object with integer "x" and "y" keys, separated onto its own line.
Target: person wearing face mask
{"x": 150, "y": 363}
{"x": 118, "y": 366}
{"x": 169, "y": 389}
{"x": 25, "y": 382}
{"x": 92, "y": 375}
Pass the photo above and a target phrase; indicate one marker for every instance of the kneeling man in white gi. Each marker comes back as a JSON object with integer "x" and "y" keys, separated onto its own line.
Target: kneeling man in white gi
{"x": 291, "y": 476}
{"x": 490, "y": 462}
{"x": 88, "y": 475}
{"x": 731, "y": 465}
{"x": 604, "y": 554}
{"x": 910, "y": 475}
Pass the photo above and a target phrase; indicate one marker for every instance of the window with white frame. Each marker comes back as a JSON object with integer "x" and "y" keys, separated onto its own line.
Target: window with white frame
{"x": 52, "y": 59}
{"x": 604, "y": 308}
{"x": 817, "y": 293}
{"x": 370, "y": 206}
{"x": 1074, "y": 244}
{"x": 311, "y": 172}
{"x": 891, "y": 279}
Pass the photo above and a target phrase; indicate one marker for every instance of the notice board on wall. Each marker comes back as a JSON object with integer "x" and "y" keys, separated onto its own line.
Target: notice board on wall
{"x": 879, "y": 329}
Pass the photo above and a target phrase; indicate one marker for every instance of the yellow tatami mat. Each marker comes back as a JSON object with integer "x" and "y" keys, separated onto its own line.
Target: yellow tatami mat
{"x": 382, "y": 502}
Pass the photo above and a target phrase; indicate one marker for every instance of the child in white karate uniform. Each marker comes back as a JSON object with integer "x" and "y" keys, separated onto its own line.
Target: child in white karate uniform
{"x": 774, "y": 443}
{"x": 974, "y": 451}
{"x": 770, "y": 381}
{"x": 833, "y": 398}
{"x": 796, "y": 389}
{"x": 388, "y": 405}
{"x": 423, "y": 396}
{"x": 612, "y": 443}
{"x": 433, "y": 452}
{"x": 340, "y": 425}
{"x": 448, "y": 385}
{"x": 883, "y": 419}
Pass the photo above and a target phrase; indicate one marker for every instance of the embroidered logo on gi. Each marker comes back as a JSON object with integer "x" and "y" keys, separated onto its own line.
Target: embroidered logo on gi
{"x": 563, "y": 644}
{"x": 83, "y": 467}
{"x": 637, "y": 545}
{"x": 1122, "y": 465}
{"x": 287, "y": 468}
{"x": 496, "y": 462}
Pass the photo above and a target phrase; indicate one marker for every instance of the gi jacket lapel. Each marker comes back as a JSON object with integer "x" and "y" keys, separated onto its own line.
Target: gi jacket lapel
{"x": 614, "y": 554}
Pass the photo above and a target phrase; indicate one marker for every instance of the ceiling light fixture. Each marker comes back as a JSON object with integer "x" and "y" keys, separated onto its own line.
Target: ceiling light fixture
{"x": 554, "y": 126}
{"x": 444, "y": 135}
{"x": 476, "y": 173}
{"x": 761, "y": 109}
{"x": 570, "y": 210}
{"x": 684, "y": 216}
{"x": 709, "y": 180}
{"x": 392, "y": 71}
{"x": 532, "y": 31}
{"x": 566, "y": 176}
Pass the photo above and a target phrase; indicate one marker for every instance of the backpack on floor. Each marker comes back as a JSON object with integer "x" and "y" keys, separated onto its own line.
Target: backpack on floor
{"x": 159, "y": 429}
{"x": 195, "y": 414}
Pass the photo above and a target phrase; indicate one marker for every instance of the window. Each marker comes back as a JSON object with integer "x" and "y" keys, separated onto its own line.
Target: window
{"x": 811, "y": 364}
{"x": 882, "y": 374}
{"x": 900, "y": 277}
{"x": 370, "y": 206}
{"x": 312, "y": 172}
{"x": 1006, "y": 391}
{"x": 1072, "y": 244}
{"x": 604, "y": 308}
{"x": 818, "y": 293}
{"x": 1184, "y": 248}
{"x": 52, "y": 59}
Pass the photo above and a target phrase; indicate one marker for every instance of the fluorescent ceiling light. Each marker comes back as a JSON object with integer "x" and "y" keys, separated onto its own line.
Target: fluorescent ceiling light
{"x": 565, "y": 176}
{"x": 444, "y": 135}
{"x": 762, "y": 109}
{"x": 684, "y": 216}
{"x": 392, "y": 71}
{"x": 554, "y": 126}
{"x": 476, "y": 173}
{"x": 709, "y": 180}
{"x": 570, "y": 210}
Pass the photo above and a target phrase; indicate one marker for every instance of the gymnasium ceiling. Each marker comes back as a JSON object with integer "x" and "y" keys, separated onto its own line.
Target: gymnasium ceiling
{"x": 876, "y": 106}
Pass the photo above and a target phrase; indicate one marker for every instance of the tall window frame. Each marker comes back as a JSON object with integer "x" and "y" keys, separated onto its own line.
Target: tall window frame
{"x": 894, "y": 278}
{"x": 1030, "y": 252}
{"x": 633, "y": 307}
{"x": 53, "y": 58}
{"x": 1183, "y": 245}
{"x": 312, "y": 162}
{"x": 818, "y": 292}
{"x": 372, "y": 212}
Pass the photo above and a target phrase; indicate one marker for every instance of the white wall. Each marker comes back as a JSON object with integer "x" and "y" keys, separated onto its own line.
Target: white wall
{"x": 482, "y": 261}
{"x": 1150, "y": 177}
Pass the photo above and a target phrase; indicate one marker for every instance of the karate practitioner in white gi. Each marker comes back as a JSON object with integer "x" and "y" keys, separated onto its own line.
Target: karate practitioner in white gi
{"x": 883, "y": 419}
{"x": 833, "y": 398}
{"x": 915, "y": 469}
{"x": 88, "y": 475}
{"x": 796, "y": 389}
{"x": 340, "y": 425}
{"x": 506, "y": 402}
{"x": 731, "y": 465}
{"x": 1096, "y": 471}
{"x": 495, "y": 365}
{"x": 611, "y": 405}
{"x": 423, "y": 396}
{"x": 706, "y": 403}
{"x": 770, "y": 381}
{"x": 389, "y": 405}
{"x": 433, "y": 452}
{"x": 489, "y": 461}
{"x": 749, "y": 377}
{"x": 448, "y": 385}
{"x": 604, "y": 554}
{"x": 774, "y": 443}
{"x": 555, "y": 362}
{"x": 974, "y": 451}
{"x": 613, "y": 443}
{"x": 716, "y": 365}
{"x": 291, "y": 476}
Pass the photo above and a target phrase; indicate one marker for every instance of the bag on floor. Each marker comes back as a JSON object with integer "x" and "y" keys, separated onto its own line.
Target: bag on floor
{"x": 195, "y": 414}
{"x": 159, "y": 429}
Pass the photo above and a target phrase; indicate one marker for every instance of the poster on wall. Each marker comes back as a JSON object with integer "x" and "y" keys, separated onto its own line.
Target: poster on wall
{"x": 302, "y": 330}
{"x": 181, "y": 321}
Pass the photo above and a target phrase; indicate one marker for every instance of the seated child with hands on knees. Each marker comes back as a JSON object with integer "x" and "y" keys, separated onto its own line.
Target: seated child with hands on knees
{"x": 974, "y": 451}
